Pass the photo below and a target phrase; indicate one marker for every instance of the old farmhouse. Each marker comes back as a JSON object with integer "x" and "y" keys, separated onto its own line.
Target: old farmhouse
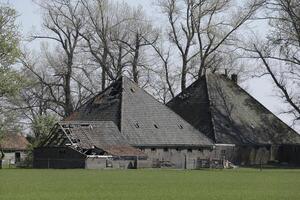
{"x": 15, "y": 149}
{"x": 124, "y": 127}
{"x": 245, "y": 132}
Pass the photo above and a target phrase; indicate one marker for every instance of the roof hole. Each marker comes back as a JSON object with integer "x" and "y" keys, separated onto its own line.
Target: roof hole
{"x": 132, "y": 89}
{"x": 180, "y": 126}
{"x": 137, "y": 125}
{"x": 84, "y": 125}
{"x": 155, "y": 126}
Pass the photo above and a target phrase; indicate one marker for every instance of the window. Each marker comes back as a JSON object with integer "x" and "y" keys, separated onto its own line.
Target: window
{"x": 137, "y": 125}
{"x": 190, "y": 150}
{"x": 155, "y": 126}
{"x": 200, "y": 149}
{"x": 223, "y": 152}
{"x": 178, "y": 149}
{"x": 142, "y": 149}
{"x": 153, "y": 149}
{"x": 17, "y": 157}
{"x": 166, "y": 149}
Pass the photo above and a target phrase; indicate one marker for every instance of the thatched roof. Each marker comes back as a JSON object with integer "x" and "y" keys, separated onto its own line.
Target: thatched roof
{"x": 142, "y": 119}
{"x": 224, "y": 111}
{"x": 13, "y": 142}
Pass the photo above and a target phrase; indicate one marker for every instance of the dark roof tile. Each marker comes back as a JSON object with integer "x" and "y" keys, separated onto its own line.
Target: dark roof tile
{"x": 228, "y": 114}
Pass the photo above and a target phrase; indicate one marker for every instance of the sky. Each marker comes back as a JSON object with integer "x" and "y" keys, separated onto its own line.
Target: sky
{"x": 260, "y": 88}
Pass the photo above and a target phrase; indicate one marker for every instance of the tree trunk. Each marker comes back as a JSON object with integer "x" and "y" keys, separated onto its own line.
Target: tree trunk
{"x": 200, "y": 72}
{"x": 168, "y": 80}
{"x": 1, "y": 157}
{"x": 119, "y": 64}
{"x": 202, "y": 69}
{"x": 135, "y": 60}
{"x": 104, "y": 68}
{"x": 183, "y": 74}
{"x": 67, "y": 89}
{"x": 103, "y": 79}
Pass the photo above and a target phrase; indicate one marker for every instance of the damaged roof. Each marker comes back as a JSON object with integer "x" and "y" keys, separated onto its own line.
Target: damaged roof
{"x": 226, "y": 113}
{"x": 142, "y": 120}
{"x": 13, "y": 142}
{"x": 87, "y": 135}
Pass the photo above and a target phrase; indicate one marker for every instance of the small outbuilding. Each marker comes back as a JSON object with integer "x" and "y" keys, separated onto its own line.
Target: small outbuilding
{"x": 14, "y": 147}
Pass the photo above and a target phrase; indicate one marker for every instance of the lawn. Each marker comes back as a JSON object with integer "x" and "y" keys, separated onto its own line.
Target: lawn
{"x": 234, "y": 184}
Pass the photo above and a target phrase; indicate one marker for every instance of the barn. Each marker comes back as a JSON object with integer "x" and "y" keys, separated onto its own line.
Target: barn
{"x": 245, "y": 132}
{"x": 150, "y": 133}
{"x": 14, "y": 147}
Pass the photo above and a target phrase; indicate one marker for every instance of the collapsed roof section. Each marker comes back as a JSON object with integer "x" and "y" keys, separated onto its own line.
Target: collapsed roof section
{"x": 102, "y": 137}
{"x": 142, "y": 120}
{"x": 226, "y": 113}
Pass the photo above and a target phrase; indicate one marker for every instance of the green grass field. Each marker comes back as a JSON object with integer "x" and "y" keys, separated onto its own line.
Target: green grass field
{"x": 242, "y": 184}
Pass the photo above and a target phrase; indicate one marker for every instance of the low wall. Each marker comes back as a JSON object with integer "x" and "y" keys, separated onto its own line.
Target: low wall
{"x": 176, "y": 158}
{"x": 103, "y": 163}
{"x": 255, "y": 155}
{"x": 244, "y": 155}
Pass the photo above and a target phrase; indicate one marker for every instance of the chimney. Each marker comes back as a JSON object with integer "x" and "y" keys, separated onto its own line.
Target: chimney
{"x": 234, "y": 78}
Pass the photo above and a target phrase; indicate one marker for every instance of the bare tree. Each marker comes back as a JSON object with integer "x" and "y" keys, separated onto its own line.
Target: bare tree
{"x": 96, "y": 34}
{"x": 116, "y": 35}
{"x": 163, "y": 54}
{"x": 200, "y": 29}
{"x": 62, "y": 23}
{"x": 142, "y": 35}
{"x": 280, "y": 53}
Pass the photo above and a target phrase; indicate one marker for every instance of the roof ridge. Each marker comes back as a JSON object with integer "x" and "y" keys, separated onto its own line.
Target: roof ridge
{"x": 209, "y": 104}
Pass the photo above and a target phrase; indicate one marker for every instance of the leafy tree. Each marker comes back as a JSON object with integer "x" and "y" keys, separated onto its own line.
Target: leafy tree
{"x": 41, "y": 127}
{"x": 9, "y": 50}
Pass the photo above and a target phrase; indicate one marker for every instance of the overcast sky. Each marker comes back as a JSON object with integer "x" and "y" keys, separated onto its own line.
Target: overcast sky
{"x": 260, "y": 88}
